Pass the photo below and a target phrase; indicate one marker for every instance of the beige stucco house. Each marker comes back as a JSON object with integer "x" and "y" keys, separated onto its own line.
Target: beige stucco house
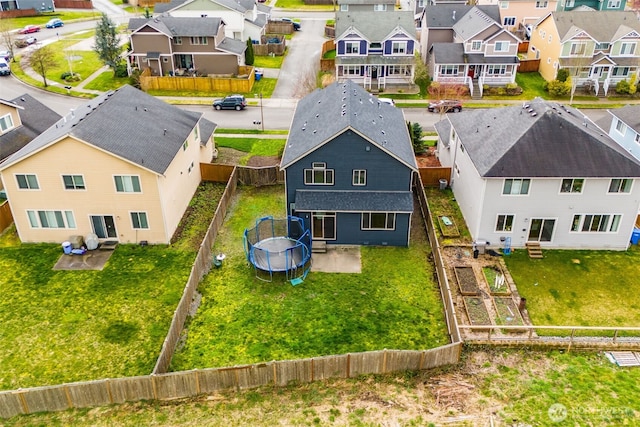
{"x": 123, "y": 166}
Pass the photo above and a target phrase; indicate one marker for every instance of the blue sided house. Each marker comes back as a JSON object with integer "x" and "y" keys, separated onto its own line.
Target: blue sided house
{"x": 349, "y": 165}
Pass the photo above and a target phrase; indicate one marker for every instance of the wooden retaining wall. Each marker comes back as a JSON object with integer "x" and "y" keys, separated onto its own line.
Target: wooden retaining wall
{"x": 202, "y": 84}
{"x": 6, "y": 219}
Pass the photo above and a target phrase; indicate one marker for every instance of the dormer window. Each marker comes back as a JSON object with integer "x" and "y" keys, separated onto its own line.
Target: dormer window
{"x": 627, "y": 48}
{"x": 351, "y": 48}
{"x": 344, "y": 8}
{"x": 177, "y": 40}
{"x": 380, "y": 7}
{"x": 476, "y": 45}
{"x": 578, "y": 48}
{"x": 399, "y": 48}
{"x": 501, "y": 46}
{"x": 602, "y": 46}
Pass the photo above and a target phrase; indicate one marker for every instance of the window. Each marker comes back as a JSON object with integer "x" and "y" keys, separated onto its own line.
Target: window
{"x": 476, "y": 45}
{"x": 51, "y": 219}
{"x": 190, "y": 168}
{"x": 199, "y": 40}
{"x": 637, "y": 138}
{"x": 351, "y": 48}
{"x": 177, "y": 40}
{"x": 621, "y": 71}
{"x": 449, "y": 70}
{"x": 73, "y": 182}
{"x": 541, "y": 4}
{"x": 516, "y": 186}
{"x": 378, "y": 221}
{"x": 350, "y": 70}
{"x": 627, "y": 48}
{"x": 344, "y": 8}
{"x": 185, "y": 145}
{"x": 572, "y": 185}
{"x": 509, "y": 21}
{"x": 620, "y": 185}
{"x": 139, "y": 220}
{"x": 600, "y": 223}
{"x": 494, "y": 70}
{"x": 359, "y": 177}
{"x": 504, "y": 5}
{"x": 504, "y": 223}
{"x": 602, "y": 46}
{"x": 570, "y": 3}
{"x": 621, "y": 127}
{"x": 398, "y": 70}
{"x": 318, "y": 175}
{"x": 27, "y": 182}
{"x": 613, "y": 4}
{"x": 380, "y": 7}
{"x": 399, "y": 47}
{"x": 6, "y": 123}
{"x": 501, "y": 46}
{"x": 578, "y": 48}
{"x": 127, "y": 184}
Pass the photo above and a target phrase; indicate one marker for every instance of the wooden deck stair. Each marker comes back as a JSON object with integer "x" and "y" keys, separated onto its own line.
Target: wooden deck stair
{"x": 534, "y": 249}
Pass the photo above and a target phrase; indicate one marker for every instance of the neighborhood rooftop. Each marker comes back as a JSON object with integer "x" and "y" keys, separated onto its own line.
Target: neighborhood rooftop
{"x": 373, "y": 25}
{"x": 180, "y": 26}
{"x": 537, "y": 139}
{"x": 630, "y": 115}
{"x": 603, "y": 26}
{"x": 447, "y": 15}
{"x": 325, "y": 113}
{"x": 127, "y": 123}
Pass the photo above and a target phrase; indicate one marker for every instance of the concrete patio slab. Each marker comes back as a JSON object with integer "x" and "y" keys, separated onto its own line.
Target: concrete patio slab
{"x": 337, "y": 259}
{"x": 90, "y": 260}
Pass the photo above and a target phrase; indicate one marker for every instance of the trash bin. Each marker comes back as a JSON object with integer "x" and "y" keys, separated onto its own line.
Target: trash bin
{"x": 259, "y": 73}
{"x": 481, "y": 246}
{"x": 523, "y": 303}
{"x": 443, "y": 184}
{"x": 66, "y": 247}
{"x": 635, "y": 236}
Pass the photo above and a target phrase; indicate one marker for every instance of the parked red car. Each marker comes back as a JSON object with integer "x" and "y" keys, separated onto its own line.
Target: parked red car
{"x": 29, "y": 29}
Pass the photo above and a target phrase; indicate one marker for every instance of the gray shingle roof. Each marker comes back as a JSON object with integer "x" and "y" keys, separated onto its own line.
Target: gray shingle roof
{"x": 325, "y": 113}
{"x": 453, "y": 53}
{"x": 473, "y": 22}
{"x": 604, "y": 26}
{"x": 232, "y": 45}
{"x": 366, "y": 2}
{"x": 354, "y": 201}
{"x": 375, "y": 26}
{"x": 512, "y": 142}
{"x": 206, "y": 130}
{"x": 630, "y": 115}
{"x": 127, "y": 123}
{"x": 441, "y": 15}
{"x": 239, "y": 5}
{"x": 35, "y": 118}
{"x": 181, "y": 26}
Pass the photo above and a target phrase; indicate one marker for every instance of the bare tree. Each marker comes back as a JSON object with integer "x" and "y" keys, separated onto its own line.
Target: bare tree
{"x": 443, "y": 92}
{"x": 41, "y": 60}
{"x": 7, "y": 36}
{"x": 307, "y": 83}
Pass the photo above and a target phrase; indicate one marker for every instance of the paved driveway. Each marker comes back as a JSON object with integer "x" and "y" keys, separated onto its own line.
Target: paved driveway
{"x": 303, "y": 58}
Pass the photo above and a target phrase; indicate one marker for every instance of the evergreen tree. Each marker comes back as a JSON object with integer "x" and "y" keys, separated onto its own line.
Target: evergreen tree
{"x": 107, "y": 42}
{"x": 249, "y": 57}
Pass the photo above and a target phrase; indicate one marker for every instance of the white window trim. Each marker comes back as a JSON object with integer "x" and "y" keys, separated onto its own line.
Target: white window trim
{"x": 402, "y": 45}
{"x": 634, "y": 46}
{"x": 10, "y": 126}
{"x": 521, "y": 180}
{"x": 349, "y": 43}
{"x": 621, "y": 127}
{"x": 316, "y": 167}
{"x": 344, "y": 8}
{"x": 115, "y": 186}
{"x": 501, "y": 43}
{"x": 357, "y": 175}
{"x": 64, "y": 185}
{"x": 33, "y": 215}
{"x": 380, "y": 7}
{"x": 504, "y": 230}
{"x": 620, "y": 187}
{"x": 133, "y": 227}
{"x": 479, "y": 43}
{"x": 28, "y": 188}
{"x": 609, "y": 225}
{"x": 573, "y": 181}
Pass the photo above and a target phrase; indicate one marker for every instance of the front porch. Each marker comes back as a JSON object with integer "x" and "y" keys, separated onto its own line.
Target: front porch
{"x": 376, "y": 73}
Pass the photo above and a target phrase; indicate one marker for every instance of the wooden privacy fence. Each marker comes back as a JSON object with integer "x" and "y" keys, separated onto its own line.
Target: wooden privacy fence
{"x": 443, "y": 280}
{"x": 528, "y": 65}
{"x": 5, "y": 216}
{"x": 200, "y": 267}
{"x": 203, "y": 84}
{"x": 431, "y": 176}
{"x": 259, "y": 176}
{"x": 216, "y": 173}
{"x": 327, "y": 64}
{"x": 73, "y": 4}
{"x": 193, "y": 383}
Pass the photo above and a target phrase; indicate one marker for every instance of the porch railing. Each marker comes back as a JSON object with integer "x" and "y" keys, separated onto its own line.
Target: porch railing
{"x": 469, "y": 81}
{"x": 480, "y": 85}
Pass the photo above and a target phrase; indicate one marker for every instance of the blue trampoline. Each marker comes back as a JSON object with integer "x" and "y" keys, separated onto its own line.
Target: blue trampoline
{"x": 279, "y": 246}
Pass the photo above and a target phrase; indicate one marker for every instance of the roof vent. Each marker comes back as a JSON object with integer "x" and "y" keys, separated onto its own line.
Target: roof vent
{"x": 382, "y": 132}
{"x": 534, "y": 114}
{"x": 314, "y": 131}
{"x": 454, "y": 15}
{"x": 530, "y": 110}
{"x": 373, "y": 122}
{"x": 344, "y": 106}
{"x": 317, "y": 115}
{"x": 525, "y": 106}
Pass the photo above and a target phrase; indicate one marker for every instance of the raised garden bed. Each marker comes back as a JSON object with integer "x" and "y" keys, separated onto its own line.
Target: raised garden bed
{"x": 496, "y": 280}
{"x": 467, "y": 282}
{"x": 508, "y": 313}
{"x": 476, "y": 311}
{"x": 448, "y": 226}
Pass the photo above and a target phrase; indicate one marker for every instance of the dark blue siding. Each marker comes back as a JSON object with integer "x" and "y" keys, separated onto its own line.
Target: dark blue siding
{"x": 387, "y": 47}
{"x": 340, "y": 47}
{"x": 410, "y": 47}
{"x": 363, "y": 47}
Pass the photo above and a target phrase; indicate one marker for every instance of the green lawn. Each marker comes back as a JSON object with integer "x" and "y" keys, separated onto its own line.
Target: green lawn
{"x": 582, "y": 288}
{"x": 394, "y": 303}
{"x": 300, "y": 5}
{"x": 253, "y": 146}
{"x": 269, "y": 61}
{"x": 106, "y": 82}
{"x": 43, "y": 18}
{"x": 64, "y": 326}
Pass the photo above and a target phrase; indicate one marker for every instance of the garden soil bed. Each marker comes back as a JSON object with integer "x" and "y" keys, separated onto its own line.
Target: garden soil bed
{"x": 467, "y": 282}
{"x": 477, "y": 312}
{"x": 507, "y": 313}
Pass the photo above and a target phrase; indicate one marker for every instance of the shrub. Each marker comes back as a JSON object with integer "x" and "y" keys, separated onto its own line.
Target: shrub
{"x": 557, "y": 88}
{"x": 121, "y": 70}
{"x": 562, "y": 75}
{"x": 70, "y": 77}
{"x": 623, "y": 87}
